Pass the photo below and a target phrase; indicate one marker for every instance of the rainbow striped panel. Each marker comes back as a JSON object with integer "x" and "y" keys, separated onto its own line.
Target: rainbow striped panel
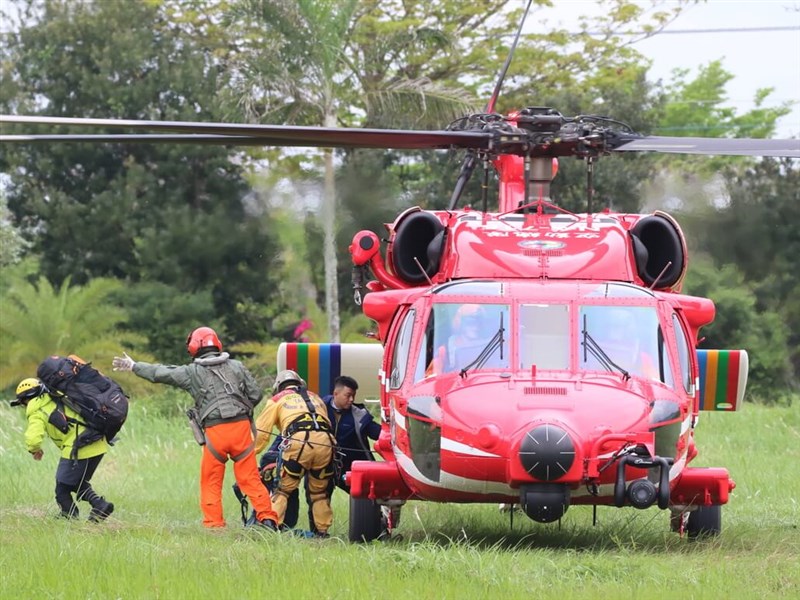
{"x": 723, "y": 378}
{"x": 318, "y": 364}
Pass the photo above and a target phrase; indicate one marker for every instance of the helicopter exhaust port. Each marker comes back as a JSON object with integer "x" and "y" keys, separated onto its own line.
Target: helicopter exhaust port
{"x": 544, "y": 502}
{"x": 642, "y": 493}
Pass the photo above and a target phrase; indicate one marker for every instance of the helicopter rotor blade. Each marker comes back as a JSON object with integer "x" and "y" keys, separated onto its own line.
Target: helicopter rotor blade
{"x": 713, "y": 146}
{"x": 140, "y": 138}
{"x": 253, "y": 135}
{"x": 561, "y": 138}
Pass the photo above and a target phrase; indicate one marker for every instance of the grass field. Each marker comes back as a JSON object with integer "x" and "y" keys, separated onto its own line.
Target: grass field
{"x": 154, "y": 546}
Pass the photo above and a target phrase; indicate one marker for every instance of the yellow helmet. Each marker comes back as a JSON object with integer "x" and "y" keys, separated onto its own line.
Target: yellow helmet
{"x": 27, "y": 390}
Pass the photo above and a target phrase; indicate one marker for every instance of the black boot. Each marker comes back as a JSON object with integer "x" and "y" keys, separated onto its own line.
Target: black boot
{"x": 101, "y": 508}
{"x": 267, "y": 524}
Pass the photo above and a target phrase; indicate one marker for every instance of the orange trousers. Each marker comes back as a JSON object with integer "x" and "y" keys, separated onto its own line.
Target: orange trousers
{"x": 234, "y": 441}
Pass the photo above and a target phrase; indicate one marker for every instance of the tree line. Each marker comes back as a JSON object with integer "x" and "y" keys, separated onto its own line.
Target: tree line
{"x": 109, "y": 245}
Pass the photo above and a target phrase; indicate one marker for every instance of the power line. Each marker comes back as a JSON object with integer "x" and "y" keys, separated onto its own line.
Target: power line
{"x": 724, "y": 30}
{"x": 690, "y": 31}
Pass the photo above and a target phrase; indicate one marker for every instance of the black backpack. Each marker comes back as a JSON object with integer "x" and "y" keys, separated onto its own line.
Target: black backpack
{"x": 99, "y": 401}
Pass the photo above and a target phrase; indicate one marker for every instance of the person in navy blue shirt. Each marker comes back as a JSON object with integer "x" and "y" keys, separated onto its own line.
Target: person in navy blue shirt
{"x": 352, "y": 424}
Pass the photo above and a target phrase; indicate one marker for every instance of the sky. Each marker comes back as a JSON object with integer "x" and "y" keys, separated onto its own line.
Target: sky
{"x": 757, "y": 59}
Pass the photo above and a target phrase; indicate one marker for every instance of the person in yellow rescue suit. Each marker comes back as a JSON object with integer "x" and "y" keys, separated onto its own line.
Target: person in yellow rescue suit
{"x": 73, "y": 474}
{"x": 225, "y": 394}
{"x": 302, "y": 419}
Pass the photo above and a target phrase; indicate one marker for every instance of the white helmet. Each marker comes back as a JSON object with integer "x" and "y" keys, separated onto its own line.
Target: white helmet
{"x": 285, "y": 377}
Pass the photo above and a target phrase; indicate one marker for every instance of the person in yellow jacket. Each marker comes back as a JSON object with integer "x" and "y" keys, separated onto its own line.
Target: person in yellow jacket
{"x": 302, "y": 420}
{"x": 73, "y": 475}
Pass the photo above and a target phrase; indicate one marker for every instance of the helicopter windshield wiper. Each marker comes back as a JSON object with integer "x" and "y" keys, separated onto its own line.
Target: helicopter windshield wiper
{"x": 491, "y": 346}
{"x": 593, "y": 348}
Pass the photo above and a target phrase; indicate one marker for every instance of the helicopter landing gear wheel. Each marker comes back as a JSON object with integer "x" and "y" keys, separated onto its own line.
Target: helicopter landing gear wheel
{"x": 365, "y": 520}
{"x": 706, "y": 521}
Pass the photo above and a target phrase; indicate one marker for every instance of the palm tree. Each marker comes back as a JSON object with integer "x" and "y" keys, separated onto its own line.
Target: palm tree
{"x": 39, "y": 320}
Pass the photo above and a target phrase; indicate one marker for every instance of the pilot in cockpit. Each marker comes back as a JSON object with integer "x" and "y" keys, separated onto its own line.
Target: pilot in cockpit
{"x": 623, "y": 341}
{"x": 469, "y": 337}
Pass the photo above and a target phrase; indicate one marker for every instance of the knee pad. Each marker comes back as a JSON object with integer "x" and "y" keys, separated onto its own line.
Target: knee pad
{"x": 292, "y": 468}
{"x": 323, "y": 473}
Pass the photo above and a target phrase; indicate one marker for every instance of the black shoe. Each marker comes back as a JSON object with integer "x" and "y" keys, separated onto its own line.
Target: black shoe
{"x": 68, "y": 514}
{"x": 267, "y": 524}
{"x": 322, "y": 535}
{"x": 101, "y": 510}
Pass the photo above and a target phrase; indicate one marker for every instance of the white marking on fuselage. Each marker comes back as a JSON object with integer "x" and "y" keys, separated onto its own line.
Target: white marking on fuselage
{"x": 461, "y": 448}
{"x": 448, "y": 481}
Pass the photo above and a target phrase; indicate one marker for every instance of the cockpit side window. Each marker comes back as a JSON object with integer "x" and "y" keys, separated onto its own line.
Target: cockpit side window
{"x": 684, "y": 351}
{"x": 426, "y": 364}
{"x": 400, "y": 351}
{"x": 544, "y": 336}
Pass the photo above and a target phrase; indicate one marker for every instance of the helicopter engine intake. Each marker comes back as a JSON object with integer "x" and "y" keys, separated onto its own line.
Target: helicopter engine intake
{"x": 659, "y": 249}
{"x": 417, "y": 247}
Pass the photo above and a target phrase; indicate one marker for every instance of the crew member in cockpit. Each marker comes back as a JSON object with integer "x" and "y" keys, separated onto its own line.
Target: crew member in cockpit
{"x": 469, "y": 338}
{"x": 625, "y": 345}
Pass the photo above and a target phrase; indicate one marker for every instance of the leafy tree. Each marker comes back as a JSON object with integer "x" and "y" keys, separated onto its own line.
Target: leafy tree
{"x": 697, "y": 107}
{"x": 172, "y": 214}
{"x": 740, "y": 324}
{"x": 12, "y": 243}
{"x": 165, "y": 315}
{"x": 759, "y": 221}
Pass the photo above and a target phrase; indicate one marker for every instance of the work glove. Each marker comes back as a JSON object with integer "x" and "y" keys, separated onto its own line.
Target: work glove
{"x": 123, "y": 363}
{"x": 268, "y": 474}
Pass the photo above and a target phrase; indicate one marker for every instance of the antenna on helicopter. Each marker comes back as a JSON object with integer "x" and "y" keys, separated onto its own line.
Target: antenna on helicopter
{"x": 660, "y": 275}
{"x": 422, "y": 270}
{"x": 468, "y": 166}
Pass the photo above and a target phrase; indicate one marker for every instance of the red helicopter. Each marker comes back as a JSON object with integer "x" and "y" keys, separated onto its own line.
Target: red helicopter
{"x": 528, "y": 355}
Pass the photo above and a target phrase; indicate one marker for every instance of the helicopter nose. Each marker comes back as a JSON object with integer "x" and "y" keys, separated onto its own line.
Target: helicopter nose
{"x": 547, "y": 452}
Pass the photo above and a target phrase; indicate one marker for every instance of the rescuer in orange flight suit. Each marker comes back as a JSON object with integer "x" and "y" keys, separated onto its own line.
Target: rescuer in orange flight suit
{"x": 225, "y": 393}
{"x": 302, "y": 419}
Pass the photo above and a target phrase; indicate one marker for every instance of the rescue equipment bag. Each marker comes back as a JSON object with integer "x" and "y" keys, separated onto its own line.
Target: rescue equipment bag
{"x": 99, "y": 401}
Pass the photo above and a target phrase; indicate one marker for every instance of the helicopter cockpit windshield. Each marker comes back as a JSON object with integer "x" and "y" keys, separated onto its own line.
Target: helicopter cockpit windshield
{"x": 469, "y": 328}
{"x": 623, "y": 339}
{"x": 464, "y": 335}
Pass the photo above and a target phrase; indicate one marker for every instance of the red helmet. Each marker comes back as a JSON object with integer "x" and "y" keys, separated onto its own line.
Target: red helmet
{"x": 202, "y": 337}
{"x": 467, "y": 312}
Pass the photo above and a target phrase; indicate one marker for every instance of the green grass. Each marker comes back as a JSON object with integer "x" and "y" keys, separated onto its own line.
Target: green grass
{"x": 154, "y": 545}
